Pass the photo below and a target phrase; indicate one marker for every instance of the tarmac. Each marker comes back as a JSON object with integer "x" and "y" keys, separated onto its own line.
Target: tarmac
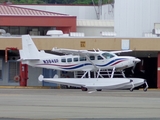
{"x": 73, "y": 104}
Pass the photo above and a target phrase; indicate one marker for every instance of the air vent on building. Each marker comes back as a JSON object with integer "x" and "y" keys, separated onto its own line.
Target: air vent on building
{"x": 76, "y": 34}
{"x": 2, "y": 31}
{"x": 54, "y": 33}
{"x": 108, "y": 34}
{"x": 149, "y": 35}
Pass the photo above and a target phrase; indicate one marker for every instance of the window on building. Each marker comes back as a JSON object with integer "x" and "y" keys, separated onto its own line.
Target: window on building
{"x": 14, "y": 30}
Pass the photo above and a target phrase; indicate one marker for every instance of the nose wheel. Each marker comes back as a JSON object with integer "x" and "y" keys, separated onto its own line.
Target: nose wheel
{"x": 99, "y": 89}
{"x": 146, "y": 88}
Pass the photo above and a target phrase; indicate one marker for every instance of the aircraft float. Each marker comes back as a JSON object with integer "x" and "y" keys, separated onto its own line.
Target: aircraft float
{"x": 82, "y": 60}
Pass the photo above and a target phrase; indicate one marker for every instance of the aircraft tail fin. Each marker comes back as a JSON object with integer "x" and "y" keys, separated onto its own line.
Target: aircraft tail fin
{"x": 29, "y": 50}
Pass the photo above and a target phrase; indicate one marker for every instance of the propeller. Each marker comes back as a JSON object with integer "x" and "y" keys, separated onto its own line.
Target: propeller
{"x": 133, "y": 68}
{"x": 136, "y": 60}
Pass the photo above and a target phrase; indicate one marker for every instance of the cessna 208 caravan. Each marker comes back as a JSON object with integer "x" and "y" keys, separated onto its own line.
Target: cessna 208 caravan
{"x": 82, "y": 60}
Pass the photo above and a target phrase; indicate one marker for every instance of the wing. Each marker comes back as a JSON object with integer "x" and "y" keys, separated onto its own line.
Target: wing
{"x": 75, "y": 52}
{"x": 121, "y": 51}
{"x": 86, "y": 52}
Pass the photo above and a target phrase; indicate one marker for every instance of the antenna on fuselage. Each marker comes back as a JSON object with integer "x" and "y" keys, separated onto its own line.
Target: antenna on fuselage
{"x": 98, "y": 49}
{"x": 94, "y": 50}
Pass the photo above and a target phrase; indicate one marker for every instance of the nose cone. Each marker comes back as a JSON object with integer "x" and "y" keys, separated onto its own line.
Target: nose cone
{"x": 136, "y": 60}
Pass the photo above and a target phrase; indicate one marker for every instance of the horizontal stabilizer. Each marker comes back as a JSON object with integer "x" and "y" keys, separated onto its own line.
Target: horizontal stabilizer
{"x": 40, "y": 78}
{"x": 28, "y": 59}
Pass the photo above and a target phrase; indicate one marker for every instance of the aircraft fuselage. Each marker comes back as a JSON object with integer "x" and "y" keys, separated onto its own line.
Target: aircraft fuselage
{"x": 75, "y": 63}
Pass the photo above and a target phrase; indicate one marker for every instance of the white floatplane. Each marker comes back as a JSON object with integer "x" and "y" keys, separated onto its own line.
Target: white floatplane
{"x": 82, "y": 60}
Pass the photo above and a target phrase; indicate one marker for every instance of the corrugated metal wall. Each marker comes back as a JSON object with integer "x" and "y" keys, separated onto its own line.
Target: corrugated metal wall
{"x": 13, "y": 70}
{"x": 8, "y": 71}
{"x": 133, "y": 18}
{"x": 49, "y": 73}
{"x": 33, "y": 74}
{"x": 107, "y": 12}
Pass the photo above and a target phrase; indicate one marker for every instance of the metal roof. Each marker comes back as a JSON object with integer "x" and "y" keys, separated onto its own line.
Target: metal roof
{"x": 7, "y": 10}
{"x": 95, "y": 23}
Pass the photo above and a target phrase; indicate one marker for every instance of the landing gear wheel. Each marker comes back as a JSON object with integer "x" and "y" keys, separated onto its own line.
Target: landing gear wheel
{"x": 145, "y": 89}
{"x": 99, "y": 89}
{"x": 84, "y": 89}
{"x": 131, "y": 90}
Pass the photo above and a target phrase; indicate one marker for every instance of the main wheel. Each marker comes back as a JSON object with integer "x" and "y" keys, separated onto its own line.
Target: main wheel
{"x": 131, "y": 90}
{"x": 99, "y": 89}
{"x": 84, "y": 89}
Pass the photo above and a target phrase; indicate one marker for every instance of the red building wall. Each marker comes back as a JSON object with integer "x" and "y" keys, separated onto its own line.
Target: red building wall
{"x": 64, "y": 22}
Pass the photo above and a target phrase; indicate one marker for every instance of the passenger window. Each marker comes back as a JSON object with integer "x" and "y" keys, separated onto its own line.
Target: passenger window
{"x": 92, "y": 57}
{"x": 75, "y": 59}
{"x": 82, "y": 58}
{"x": 99, "y": 58}
{"x": 69, "y": 59}
{"x": 63, "y": 60}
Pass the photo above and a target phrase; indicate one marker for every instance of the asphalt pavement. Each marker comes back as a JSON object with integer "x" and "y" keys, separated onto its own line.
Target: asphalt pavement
{"x": 73, "y": 104}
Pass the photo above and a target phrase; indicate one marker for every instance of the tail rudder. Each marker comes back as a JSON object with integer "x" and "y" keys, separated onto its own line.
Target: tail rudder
{"x": 29, "y": 50}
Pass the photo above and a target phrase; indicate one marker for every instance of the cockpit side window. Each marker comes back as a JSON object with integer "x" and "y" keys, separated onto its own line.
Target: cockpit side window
{"x": 99, "y": 58}
{"x": 107, "y": 55}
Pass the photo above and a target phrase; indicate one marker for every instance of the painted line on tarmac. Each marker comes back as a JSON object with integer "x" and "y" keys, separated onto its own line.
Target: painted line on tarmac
{"x": 24, "y": 87}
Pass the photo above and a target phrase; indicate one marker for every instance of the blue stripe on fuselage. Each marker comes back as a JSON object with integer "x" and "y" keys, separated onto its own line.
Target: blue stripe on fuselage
{"x": 79, "y": 66}
{"x": 111, "y": 62}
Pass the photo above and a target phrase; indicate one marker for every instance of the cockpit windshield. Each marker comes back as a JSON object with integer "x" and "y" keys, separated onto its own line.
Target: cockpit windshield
{"x": 108, "y": 55}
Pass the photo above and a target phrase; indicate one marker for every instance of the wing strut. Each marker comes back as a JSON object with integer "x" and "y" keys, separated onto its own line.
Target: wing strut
{"x": 123, "y": 74}
{"x": 91, "y": 61}
{"x": 84, "y": 74}
{"x": 113, "y": 72}
{"x": 99, "y": 74}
